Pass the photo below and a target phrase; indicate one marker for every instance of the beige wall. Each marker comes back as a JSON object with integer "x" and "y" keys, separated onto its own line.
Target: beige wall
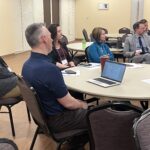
{"x": 9, "y": 26}
{"x": 15, "y": 16}
{"x": 147, "y": 10}
{"x": 88, "y": 16}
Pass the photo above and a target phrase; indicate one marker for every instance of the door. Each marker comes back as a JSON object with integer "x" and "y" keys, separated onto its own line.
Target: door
{"x": 51, "y": 11}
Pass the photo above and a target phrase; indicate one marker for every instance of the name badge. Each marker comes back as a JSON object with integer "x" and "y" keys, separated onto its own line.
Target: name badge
{"x": 64, "y": 62}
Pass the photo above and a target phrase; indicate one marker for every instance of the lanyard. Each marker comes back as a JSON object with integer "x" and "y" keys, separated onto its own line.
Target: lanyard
{"x": 61, "y": 51}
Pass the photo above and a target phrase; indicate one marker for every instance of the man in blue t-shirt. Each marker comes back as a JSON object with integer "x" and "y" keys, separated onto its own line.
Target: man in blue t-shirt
{"x": 63, "y": 111}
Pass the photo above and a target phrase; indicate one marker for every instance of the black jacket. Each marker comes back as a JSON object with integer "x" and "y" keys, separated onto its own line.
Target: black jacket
{"x": 54, "y": 56}
{"x": 8, "y": 80}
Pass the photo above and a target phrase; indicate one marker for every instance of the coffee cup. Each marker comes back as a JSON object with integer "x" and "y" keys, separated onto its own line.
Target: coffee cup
{"x": 103, "y": 59}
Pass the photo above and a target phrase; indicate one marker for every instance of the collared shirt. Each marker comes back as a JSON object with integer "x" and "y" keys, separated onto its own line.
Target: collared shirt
{"x": 47, "y": 80}
{"x": 137, "y": 41}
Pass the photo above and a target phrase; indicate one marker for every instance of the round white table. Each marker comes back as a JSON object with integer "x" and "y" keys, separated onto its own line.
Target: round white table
{"x": 77, "y": 47}
{"x": 131, "y": 88}
{"x": 114, "y": 35}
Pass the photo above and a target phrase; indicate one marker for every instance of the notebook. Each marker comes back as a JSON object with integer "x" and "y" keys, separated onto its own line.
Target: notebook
{"x": 112, "y": 74}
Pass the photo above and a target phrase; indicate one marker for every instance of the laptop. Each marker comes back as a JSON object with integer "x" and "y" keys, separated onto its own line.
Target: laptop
{"x": 112, "y": 74}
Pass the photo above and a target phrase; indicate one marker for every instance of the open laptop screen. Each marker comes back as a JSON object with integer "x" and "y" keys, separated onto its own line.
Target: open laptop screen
{"x": 113, "y": 71}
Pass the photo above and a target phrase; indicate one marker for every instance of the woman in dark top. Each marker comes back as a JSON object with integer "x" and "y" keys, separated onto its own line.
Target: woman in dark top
{"x": 60, "y": 54}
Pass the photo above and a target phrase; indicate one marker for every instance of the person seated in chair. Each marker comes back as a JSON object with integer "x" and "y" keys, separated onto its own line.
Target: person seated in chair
{"x": 60, "y": 54}
{"x": 99, "y": 47}
{"x": 8, "y": 82}
{"x": 137, "y": 46}
{"x": 63, "y": 112}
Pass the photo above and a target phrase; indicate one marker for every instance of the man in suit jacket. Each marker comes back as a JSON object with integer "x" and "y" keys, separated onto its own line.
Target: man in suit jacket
{"x": 137, "y": 46}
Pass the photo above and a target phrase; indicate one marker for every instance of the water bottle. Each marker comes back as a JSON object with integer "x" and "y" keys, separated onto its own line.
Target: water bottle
{"x": 83, "y": 44}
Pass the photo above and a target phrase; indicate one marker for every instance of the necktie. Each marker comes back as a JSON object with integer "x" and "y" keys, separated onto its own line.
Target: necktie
{"x": 141, "y": 45}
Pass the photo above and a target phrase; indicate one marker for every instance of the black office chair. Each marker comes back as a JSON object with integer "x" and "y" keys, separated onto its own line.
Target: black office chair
{"x": 7, "y": 144}
{"x": 86, "y": 54}
{"x": 124, "y": 30}
{"x": 148, "y": 32}
{"x": 64, "y": 40}
{"x": 144, "y": 104}
{"x": 120, "y": 41}
{"x": 110, "y": 129}
{"x": 85, "y": 35}
{"x": 91, "y": 38}
{"x": 33, "y": 103}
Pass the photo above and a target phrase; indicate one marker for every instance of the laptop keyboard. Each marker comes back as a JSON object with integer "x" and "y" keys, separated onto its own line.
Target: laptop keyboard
{"x": 105, "y": 81}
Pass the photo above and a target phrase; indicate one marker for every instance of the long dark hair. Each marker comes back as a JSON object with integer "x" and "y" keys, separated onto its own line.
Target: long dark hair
{"x": 53, "y": 30}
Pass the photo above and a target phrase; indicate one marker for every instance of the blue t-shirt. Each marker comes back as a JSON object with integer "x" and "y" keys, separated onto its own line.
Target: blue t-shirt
{"x": 47, "y": 80}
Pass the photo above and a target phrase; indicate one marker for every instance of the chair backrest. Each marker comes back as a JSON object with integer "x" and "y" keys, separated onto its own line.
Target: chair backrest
{"x": 32, "y": 101}
{"x": 142, "y": 131}
{"x": 91, "y": 38}
{"x": 124, "y": 30}
{"x": 148, "y": 32}
{"x": 7, "y": 144}
{"x": 110, "y": 129}
{"x": 86, "y": 54}
{"x": 85, "y": 35}
{"x": 121, "y": 40}
{"x": 64, "y": 40}
{"x": 3, "y": 63}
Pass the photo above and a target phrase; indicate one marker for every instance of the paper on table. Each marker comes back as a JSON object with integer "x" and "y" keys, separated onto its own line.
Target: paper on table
{"x": 133, "y": 65}
{"x": 66, "y": 74}
{"x": 146, "y": 81}
{"x": 94, "y": 65}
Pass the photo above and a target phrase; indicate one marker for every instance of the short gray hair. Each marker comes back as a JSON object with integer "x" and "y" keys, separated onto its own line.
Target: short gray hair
{"x": 32, "y": 33}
